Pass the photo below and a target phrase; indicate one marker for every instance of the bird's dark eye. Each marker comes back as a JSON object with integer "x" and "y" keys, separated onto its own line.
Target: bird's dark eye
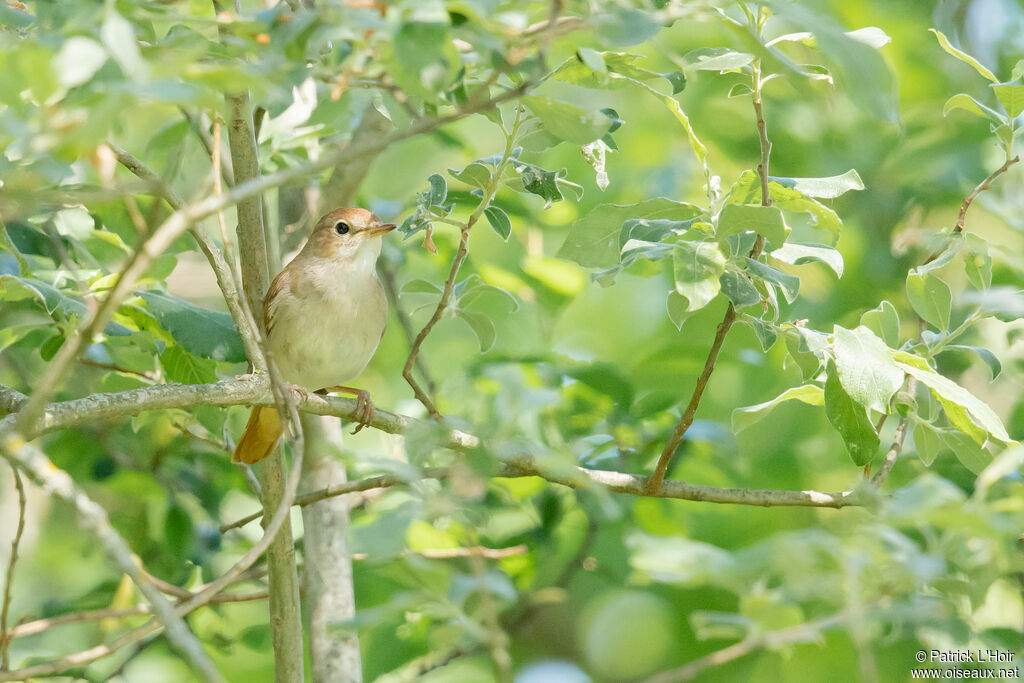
{"x": 341, "y": 227}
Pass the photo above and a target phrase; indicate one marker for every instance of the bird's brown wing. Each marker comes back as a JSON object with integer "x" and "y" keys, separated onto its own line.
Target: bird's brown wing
{"x": 275, "y": 295}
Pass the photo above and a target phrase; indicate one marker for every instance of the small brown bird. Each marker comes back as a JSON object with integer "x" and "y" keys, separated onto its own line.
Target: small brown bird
{"x": 324, "y": 314}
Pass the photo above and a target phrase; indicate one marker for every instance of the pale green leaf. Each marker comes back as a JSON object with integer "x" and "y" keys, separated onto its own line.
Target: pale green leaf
{"x": 798, "y": 254}
{"x": 823, "y": 188}
{"x": 884, "y": 321}
{"x": 956, "y": 401}
{"x": 963, "y": 56}
{"x": 764, "y": 220}
{"x": 865, "y": 367}
{"x": 1011, "y": 96}
{"x": 593, "y": 240}
{"x": 697, "y": 267}
{"x": 716, "y": 59}
{"x": 810, "y": 394}
{"x": 930, "y": 298}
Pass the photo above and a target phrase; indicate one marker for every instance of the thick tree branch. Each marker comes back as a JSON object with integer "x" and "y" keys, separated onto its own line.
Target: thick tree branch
{"x": 256, "y": 391}
{"x": 285, "y": 614}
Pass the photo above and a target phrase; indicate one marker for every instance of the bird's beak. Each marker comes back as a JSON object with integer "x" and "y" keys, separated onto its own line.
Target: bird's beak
{"x": 381, "y": 229}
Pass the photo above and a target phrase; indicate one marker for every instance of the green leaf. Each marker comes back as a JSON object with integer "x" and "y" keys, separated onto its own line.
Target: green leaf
{"x": 926, "y": 442}
{"x": 740, "y": 290}
{"x": 118, "y": 36}
{"x": 181, "y": 366}
{"x": 823, "y": 188}
{"x": 623, "y": 26}
{"x": 764, "y": 331}
{"x": 977, "y": 261}
{"x": 968, "y": 103}
{"x": 797, "y": 254}
{"x": 810, "y": 394}
{"x": 697, "y": 266}
{"x": 482, "y": 327}
{"x": 747, "y": 190}
{"x": 716, "y": 59}
{"x": 542, "y": 183}
{"x": 965, "y": 411}
{"x": 963, "y": 56}
{"x": 870, "y": 35}
{"x": 678, "y": 308}
{"x": 970, "y": 454}
{"x": 789, "y": 284}
{"x": 51, "y": 299}
{"x": 764, "y": 220}
{"x": 1011, "y": 96}
{"x": 593, "y": 240}
{"x": 865, "y": 367}
{"x": 991, "y": 360}
{"x": 420, "y": 287}
{"x": 567, "y": 121}
{"x": 699, "y": 150}
{"x": 475, "y": 174}
{"x": 499, "y": 221}
{"x": 884, "y": 321}
{"x": 78, "y": 60}
{"x": 850, "y": 419}
{"x": 438, "y": 191}
{"x": 205, "y": 333}
{"x": 930, "y": 298}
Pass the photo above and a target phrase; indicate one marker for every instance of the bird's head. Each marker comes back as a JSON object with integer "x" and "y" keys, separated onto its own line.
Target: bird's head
{"x": 347, "y": 234}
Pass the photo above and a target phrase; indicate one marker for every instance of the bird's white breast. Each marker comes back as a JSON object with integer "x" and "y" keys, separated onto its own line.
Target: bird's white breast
{"x": 327, "y": 326}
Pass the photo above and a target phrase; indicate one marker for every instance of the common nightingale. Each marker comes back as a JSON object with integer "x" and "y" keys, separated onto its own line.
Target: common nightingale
{"x": 324, "y": 314}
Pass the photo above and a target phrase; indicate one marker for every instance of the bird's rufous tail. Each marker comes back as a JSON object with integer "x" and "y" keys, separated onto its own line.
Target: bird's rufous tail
{"x": 261, "y": 433}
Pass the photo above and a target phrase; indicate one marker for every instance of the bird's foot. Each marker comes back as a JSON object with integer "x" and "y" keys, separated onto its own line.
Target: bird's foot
{"x": 364, "y": 406}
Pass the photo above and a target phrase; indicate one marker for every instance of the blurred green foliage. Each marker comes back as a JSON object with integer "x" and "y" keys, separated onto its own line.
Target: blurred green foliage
{"x": 579, "y": 323}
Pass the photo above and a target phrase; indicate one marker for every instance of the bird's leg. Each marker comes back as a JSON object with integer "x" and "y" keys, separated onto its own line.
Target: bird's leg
{"x": 364, "y": 406}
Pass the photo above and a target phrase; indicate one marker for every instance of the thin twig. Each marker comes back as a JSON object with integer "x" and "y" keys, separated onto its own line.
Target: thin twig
{"x": 387, "y": 277}
{"x": 981, "y": 187}
{"x": 772, "y": 639}
{"x": 56, "y": 482}
{"x": 5, "y": 636}
{"x": 686, "y": 420}
{"x": 493, "y": 183}
{"x": 199, "y": 599}
{"x": 144, "y": 374}
{"x": 30, "y": 628}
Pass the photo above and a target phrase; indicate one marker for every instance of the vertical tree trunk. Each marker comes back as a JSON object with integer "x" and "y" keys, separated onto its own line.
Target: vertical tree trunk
{"x": 327, "y": 576}
{"x": 285, "y": 619}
